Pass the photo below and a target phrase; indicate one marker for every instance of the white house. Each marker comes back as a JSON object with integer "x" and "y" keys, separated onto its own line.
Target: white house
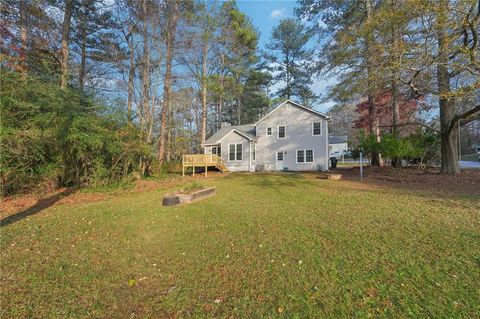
{"x": 338, "y": 145}
{"x": 291, "y": 137}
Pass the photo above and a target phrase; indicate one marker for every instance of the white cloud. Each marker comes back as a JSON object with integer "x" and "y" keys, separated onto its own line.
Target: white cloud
{"x": 277, "y": 13}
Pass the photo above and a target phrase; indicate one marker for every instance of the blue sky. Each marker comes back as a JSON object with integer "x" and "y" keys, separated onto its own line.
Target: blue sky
{"x": 265, "y": 15}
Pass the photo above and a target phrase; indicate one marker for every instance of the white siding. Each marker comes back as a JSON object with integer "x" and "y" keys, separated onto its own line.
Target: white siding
{"x": 299, "y": 136}
{"x": 235, "y": 138}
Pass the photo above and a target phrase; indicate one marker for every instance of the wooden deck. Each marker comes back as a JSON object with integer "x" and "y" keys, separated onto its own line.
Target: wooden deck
{"x": 202, "y": 160}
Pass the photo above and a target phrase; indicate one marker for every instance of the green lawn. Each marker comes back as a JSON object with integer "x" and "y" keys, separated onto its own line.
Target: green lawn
{"x": 266, "y": 246}
{"x": 470, "y": 157}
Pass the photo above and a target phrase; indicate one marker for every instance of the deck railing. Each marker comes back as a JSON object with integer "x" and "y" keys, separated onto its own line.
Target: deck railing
{"x": 202, "y": 160}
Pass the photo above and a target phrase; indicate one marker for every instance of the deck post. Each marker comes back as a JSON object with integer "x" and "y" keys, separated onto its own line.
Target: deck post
{"x": 193, "y": 173}
{"x": 183, "y": 170}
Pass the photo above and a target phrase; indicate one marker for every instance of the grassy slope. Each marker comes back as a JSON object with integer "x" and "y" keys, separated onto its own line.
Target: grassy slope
{"x": 265, "y": 246}
{"x": 470, "y": 157}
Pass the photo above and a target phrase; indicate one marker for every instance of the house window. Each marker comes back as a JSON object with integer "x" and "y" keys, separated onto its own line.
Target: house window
{"x": 279, "y": 156}
{"x": 231, "y": 152}
{"x": 254, "y": 148}
{"x": 235, "y": 152}
{"x": 304, "y": 156}
{"x": 300, "y": 156}
{"x": 281, "y": 131}
{"x": 269, "y": 131}
{"x": 317, "y": 128}
{"x": 309, "y": 156}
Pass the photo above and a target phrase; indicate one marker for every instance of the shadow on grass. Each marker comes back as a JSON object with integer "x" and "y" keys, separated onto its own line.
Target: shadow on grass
{"x": 37, "y": 208}
{"x": 273, "y": 180}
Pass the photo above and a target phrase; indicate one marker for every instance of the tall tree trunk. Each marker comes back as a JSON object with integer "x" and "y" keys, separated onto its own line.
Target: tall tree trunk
{"x": 395, "y": 81}
{"x": 67, "y": 21}
{"x": 172, "y": 7}
{"x": 220, "y": 110}
{"x": 83, "y": 47}
{"x": 448, "y": 125}
{"x": 239, "y": 110}
{"x": 372, "y": 110}
{"x": 145, "y": 116}
{"x": 131, "y": 75}
{"x": 203, "y": 131}
{"x": 145, "y": 68}
{"x": 24, "y": 21}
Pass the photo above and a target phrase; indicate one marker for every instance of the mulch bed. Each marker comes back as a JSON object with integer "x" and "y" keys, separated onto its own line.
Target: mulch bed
{"x": 465, "y": 183}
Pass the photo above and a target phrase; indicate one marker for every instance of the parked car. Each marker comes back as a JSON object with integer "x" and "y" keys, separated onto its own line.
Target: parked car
{"x": 335, "y": 154}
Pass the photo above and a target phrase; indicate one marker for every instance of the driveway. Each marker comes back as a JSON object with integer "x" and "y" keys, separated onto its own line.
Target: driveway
{"x": 465, "y": 164}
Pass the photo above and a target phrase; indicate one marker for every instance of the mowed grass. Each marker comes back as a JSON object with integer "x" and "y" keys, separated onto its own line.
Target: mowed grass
{"x": 266, "y": 246}
{"x": 470, "y": 157}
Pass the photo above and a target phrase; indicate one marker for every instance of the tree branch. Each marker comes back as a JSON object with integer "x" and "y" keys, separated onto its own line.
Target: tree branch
{"x": 415, "y": 123}
{"x": 464, "y": 118}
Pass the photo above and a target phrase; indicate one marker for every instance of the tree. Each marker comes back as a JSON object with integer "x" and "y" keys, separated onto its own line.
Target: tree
{"x": 349, "y": 44}
{"x": 288, "y": 59}
{"x": 419, "y": 49}
{"x": 93, "y": 36}
{"x": 67, "y": 21}
{"x": 172, "y": 11}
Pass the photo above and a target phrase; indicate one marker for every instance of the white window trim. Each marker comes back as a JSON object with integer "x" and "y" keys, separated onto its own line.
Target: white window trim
{"x": 305, "y": 156}
{"x": 321, "y": 130}
{"x": 283, "y": 156}
{"x": 235, "y": 160}
{"x": 271, "y": 130}
{"x": 278, "y": 132}
{"x": 313, "y": 156}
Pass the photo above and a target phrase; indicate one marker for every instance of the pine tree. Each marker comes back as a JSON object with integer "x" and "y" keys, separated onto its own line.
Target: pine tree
{"x": 288, "y": 59}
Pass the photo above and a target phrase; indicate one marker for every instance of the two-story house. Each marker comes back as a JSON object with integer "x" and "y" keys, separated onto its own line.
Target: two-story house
{"x": 291, "y": 137}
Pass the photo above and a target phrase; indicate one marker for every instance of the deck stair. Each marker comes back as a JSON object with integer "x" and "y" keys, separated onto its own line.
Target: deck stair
{"x": 203, "y": 160}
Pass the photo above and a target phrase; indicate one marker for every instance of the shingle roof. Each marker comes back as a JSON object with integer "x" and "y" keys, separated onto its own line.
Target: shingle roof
{"x": 247, "y": 130}
{"x": 337, "y": 139}
{"x": 295, "y": 104}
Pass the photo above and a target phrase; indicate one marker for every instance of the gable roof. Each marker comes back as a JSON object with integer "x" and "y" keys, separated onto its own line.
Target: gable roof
{"x": 247, "y": 130}
{"x": 295, "y": 104}
{"x": 337, "y": 139}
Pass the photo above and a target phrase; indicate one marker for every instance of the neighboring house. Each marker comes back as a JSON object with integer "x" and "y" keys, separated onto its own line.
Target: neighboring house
{"x": 291, "y": 137}
{"x": 337, "y": 145}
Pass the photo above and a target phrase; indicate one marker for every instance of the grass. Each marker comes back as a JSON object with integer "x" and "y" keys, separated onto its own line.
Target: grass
{"x": 470, "y": 157}
{"x": 266, "y": 246}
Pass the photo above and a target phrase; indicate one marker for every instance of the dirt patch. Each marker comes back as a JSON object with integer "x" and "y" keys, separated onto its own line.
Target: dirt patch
{"x": 25, "y": 205}
{"x": 466, "y": 183}
{"x": 29, "y": 204}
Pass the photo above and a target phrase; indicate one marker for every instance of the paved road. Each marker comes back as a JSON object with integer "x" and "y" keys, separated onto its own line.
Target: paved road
{"x": 465, "y": 164}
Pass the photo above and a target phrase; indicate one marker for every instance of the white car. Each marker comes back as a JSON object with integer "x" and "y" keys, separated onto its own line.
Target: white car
{"x": 335, "y": 154}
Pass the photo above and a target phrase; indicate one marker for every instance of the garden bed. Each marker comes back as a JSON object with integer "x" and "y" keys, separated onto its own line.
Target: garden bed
{"x": 182, "y": 197}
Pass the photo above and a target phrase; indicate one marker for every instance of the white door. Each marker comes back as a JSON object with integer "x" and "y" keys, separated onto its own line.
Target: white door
{"x": 279, "y": 161}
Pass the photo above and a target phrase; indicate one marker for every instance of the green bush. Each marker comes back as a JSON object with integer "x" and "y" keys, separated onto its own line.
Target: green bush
{"x": 60, "y": 137}
{"x": 420, "y": 147}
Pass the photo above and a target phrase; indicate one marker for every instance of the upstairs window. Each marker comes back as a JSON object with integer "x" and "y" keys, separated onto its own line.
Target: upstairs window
{"x": 281, "y": 131}
{"x": 317, "y": 128}
{"x": 269, "y": 131}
